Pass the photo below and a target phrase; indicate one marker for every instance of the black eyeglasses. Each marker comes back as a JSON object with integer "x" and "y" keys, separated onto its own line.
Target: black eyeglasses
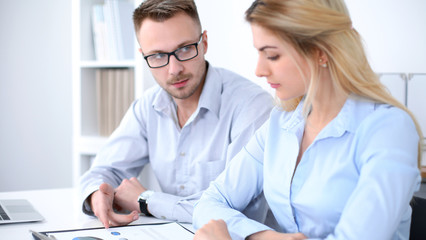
{"x": 184, "y": 53}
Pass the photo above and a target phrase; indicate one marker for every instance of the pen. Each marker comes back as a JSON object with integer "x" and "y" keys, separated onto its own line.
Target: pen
{"x": 42, "y": 236}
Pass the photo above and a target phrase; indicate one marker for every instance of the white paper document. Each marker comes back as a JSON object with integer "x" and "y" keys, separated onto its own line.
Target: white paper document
{"x": 164, "y": 231}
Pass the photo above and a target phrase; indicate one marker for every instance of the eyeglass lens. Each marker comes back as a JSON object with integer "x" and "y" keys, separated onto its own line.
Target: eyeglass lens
{"x": 182, "y": 54}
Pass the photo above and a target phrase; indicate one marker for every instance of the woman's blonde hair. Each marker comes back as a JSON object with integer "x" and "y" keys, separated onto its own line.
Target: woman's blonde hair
{"x": 325, "y": 25}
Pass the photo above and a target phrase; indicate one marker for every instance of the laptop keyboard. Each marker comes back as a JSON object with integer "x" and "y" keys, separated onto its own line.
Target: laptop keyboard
{"x": 3, "y": 215}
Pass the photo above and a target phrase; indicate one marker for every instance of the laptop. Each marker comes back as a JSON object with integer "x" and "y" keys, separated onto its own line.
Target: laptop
{"x": 18, "y": 211}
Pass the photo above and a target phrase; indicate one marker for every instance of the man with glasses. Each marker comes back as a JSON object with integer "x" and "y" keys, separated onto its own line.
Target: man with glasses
{"x": 188, "y": 127}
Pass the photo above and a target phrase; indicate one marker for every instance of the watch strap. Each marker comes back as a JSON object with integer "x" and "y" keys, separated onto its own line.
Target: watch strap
{"x": 143, "y": 206}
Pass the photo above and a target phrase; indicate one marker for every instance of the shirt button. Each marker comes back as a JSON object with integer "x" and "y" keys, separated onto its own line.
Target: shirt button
{"x": 182, "y": 154}
{"x": 182, "y": 187}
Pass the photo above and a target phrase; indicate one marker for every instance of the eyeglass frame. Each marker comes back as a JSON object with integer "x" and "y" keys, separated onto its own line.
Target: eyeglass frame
{"x": 174, "y": 53}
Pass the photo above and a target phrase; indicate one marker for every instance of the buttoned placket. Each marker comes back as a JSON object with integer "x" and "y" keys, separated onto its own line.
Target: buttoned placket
{"x": 182, "y": 165}
{"x": 293, "y": 182}
{"x": 294, "y": 128}
{"x": 183, "y": 160}
{"x": 298, "y": 182}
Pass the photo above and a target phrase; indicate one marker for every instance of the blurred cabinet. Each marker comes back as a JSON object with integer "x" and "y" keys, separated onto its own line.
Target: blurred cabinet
{"x": 87, "y": 139}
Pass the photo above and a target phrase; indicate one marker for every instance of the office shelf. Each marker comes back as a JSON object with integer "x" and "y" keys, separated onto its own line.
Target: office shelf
{"x": 87, "y": 139}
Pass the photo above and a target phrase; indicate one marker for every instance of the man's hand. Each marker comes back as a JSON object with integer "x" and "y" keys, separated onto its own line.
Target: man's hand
{"x": 126, "y": 195}
{"x": 101, "y": 203}
{"x": 213, "y": 230}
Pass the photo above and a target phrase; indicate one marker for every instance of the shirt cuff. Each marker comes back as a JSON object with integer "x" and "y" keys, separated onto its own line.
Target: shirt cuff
{"x": 165, "y": 206}
{"x": 87, "y": 209}
{"x": 85, "y": 200}
{"x": 247, "y": 227}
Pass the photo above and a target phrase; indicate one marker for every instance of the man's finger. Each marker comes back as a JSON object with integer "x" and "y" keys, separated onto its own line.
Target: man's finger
{"x": 105, "y": 222}
{"x": 107, "y": 189}
{"x": 103, "y": 217}
{"x": 103, "y": 204}
{"x": 116, "y": 219}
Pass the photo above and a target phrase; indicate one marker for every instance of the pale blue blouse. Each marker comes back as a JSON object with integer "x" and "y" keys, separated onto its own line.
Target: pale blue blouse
{"x": 355, "y": 181}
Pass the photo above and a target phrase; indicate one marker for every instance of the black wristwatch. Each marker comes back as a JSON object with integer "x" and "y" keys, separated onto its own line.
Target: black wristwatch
{"x": 143, "y": 206}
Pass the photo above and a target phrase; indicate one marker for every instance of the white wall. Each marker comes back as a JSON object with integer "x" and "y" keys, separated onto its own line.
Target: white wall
{"x": 394, "y": 32}
{"x": 230, "y": 39}
{"x": 35, "y": 94}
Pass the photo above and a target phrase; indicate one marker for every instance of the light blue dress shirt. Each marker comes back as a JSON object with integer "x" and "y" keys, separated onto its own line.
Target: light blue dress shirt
{"x": 184, "y": 160}
{"x": 355, "y": 181}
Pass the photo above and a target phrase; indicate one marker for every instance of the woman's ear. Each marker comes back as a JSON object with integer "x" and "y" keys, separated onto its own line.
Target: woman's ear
{"x": 322, "y": 59}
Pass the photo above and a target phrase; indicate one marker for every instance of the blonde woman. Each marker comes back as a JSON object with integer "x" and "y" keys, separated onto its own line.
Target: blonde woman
{"x": 338, "y": 159}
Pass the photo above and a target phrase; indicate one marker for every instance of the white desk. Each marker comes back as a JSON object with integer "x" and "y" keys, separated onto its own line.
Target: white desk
{"x": 61, "y": 210}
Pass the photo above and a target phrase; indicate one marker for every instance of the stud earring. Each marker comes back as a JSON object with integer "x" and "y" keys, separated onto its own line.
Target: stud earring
{"x": 324, "y": 65}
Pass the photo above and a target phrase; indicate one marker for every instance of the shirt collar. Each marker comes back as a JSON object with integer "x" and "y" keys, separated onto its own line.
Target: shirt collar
{"x": 209, "y": 100}
{"x": 163, "y": 102}
{"x": 354, "y": 110}
{"x": 290, "y": 122}
{"x": 348, "y": 119}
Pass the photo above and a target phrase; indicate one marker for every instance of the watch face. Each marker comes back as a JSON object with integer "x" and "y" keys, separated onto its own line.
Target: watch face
{"x": 145, "y": 195}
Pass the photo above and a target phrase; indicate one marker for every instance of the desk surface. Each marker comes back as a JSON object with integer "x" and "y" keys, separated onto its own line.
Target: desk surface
{"x": 61, "y": 210}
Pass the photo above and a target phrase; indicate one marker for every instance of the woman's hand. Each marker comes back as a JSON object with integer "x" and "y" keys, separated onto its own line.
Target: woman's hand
{"x": 213, "y": 230}
{"x": 272, "y": 235}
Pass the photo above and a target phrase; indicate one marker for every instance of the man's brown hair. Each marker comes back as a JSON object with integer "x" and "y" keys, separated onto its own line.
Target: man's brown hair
{"x": 161, "y": 10}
